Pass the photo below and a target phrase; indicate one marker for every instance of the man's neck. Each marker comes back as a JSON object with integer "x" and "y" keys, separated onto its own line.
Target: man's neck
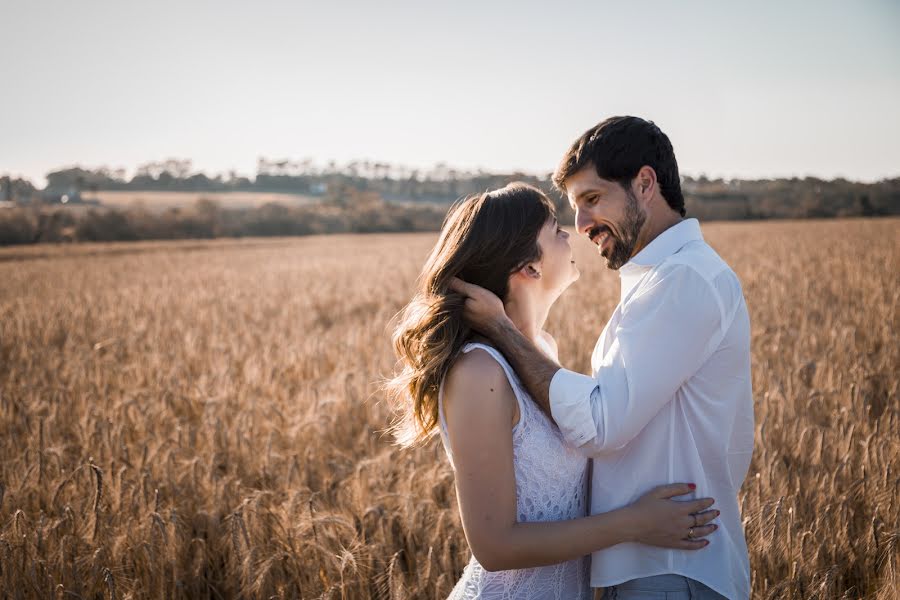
{"x": 655, "y": 225}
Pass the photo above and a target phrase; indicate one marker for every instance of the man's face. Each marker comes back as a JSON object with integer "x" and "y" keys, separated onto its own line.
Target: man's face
{"x": 608, "y": 214}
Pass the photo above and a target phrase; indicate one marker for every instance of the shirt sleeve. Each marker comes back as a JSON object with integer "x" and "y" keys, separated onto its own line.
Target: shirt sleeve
{"x": 667, "y": 330}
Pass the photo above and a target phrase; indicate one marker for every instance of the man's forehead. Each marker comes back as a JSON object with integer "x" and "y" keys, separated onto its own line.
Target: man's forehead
{"x": 585, "y": 185}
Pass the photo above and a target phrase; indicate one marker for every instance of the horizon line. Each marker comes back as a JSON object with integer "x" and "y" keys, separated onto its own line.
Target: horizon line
{"x": 339, "y": 165}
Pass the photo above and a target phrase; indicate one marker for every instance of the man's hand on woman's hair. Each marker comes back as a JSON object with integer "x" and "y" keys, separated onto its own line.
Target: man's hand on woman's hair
{"x": 484, "y": 311}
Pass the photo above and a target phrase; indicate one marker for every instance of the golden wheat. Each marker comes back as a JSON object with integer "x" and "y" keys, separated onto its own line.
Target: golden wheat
{"x": 202, "y": 419}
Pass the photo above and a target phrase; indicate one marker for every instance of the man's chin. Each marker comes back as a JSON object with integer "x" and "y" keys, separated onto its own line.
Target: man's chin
{"x": 605, "y": 253}
{"x": 616, "y": 255}
{"x": 613, "y": 260}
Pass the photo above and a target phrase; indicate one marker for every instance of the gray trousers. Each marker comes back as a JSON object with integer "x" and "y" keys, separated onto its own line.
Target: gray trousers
{"x": 661, "y": 587}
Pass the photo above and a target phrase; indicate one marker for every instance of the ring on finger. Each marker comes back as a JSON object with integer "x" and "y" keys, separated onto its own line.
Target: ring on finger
{"x": 691, "y": 533}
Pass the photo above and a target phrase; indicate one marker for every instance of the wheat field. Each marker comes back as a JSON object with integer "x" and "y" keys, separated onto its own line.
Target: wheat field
{"x": 203, "y": 420}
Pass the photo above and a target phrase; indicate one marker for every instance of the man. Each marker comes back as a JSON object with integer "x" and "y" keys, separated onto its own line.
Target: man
{"x": 670, "y": 396}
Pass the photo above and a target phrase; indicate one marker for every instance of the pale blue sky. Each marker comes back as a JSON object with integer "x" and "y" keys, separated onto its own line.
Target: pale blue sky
{"x": 749, "y": 89}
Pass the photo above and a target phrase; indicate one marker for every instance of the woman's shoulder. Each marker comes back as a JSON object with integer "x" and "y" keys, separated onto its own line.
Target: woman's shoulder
{"x": 548, "y": 338}
{"x": 476, "y": 370}
{"x": 474, "y": 378}
{"x": 550, "y": 344}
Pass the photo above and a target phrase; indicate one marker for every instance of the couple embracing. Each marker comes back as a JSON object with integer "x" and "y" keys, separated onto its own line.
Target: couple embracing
{"x": 625, "y": 479}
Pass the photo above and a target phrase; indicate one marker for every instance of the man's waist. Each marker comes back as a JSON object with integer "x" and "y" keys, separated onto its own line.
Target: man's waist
{"x": 722, "y": 565}
{"x": 611, "y": 493}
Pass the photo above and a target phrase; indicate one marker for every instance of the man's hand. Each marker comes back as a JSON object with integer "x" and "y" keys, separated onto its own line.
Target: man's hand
{"x": 483, "y": 310}
{"x": 484, "y": 313}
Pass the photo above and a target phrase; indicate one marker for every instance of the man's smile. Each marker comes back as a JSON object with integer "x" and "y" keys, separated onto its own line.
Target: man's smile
{"x": 600, "y": 235}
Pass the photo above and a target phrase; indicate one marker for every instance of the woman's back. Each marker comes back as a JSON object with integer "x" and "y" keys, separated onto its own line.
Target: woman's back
{"x": 551, "y": 485}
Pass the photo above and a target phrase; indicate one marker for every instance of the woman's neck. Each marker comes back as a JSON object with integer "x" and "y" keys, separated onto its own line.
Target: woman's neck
{"x": 528, "y": 314}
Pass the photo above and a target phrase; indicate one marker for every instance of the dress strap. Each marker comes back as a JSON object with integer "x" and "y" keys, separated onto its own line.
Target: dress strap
{"x": 514, "y": 381}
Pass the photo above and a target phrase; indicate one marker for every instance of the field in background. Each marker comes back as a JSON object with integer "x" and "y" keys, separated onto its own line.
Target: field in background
{"x": 166, "y": 200}
{"x": 201, "y": 419}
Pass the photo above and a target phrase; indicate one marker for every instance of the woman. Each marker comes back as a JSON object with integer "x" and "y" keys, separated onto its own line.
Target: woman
{"x": 522, "y": 491}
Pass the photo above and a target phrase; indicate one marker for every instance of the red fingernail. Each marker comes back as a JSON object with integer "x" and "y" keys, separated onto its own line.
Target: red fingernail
{"x": 706, "y": 542}
{"x": 692, "y": 486}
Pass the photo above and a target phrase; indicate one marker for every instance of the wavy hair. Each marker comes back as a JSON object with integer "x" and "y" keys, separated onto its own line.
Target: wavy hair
{"x": 485, "y": 238}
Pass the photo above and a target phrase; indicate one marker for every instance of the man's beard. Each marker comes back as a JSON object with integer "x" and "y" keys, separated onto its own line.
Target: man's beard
{"x": 630, "y": 227}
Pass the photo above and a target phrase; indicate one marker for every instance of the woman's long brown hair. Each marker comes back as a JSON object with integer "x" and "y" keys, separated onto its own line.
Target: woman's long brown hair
{"x": 485, "y": 239}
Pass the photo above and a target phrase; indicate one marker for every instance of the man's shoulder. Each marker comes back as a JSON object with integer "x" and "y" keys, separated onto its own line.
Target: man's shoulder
{"x": 700, "y": 257}
{"x": 708, "y": 271}
{"x": 697, "y": 267}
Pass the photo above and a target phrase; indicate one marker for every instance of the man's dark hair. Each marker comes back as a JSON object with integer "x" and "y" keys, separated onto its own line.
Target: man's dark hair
{"x": 618, "y": 147}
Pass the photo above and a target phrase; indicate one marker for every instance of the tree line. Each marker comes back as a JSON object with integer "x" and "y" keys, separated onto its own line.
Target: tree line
{"x": 364, "y": 196}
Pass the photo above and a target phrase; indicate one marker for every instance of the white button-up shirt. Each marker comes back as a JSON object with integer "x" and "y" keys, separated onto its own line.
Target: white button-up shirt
{"x": 669, "y": 401}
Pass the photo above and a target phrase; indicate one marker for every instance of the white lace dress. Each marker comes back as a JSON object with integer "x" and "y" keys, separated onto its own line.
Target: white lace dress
{"x": 551, "y": 485}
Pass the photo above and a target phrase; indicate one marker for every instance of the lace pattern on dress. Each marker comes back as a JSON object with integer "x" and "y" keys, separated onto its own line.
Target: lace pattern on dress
{"x": 551, "y": 485}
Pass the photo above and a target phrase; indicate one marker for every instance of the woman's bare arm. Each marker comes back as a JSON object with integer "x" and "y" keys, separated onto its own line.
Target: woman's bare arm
{"x": 479, "y": 406}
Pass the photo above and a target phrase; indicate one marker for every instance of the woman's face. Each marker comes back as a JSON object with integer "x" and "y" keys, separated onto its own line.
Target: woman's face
{"x": 557, "y": 265}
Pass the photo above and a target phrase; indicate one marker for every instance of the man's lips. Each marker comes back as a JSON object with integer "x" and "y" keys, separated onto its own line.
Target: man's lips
{"x": 599, "y": 235}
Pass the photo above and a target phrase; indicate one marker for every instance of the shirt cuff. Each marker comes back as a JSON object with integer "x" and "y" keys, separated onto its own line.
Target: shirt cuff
{"x": 570, "y": 406}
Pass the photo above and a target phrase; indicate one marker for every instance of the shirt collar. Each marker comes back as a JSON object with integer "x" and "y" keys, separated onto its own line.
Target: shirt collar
{"x": 666, "y": 244}
{"x": 660, "y": 248}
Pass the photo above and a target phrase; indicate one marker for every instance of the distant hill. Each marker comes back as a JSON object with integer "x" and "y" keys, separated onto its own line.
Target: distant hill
{"x": 167, "y": 201}
{"x": 706, "y": 198}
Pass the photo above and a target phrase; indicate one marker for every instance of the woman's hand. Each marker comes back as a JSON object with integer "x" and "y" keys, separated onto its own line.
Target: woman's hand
{"x": 660, "y": 521}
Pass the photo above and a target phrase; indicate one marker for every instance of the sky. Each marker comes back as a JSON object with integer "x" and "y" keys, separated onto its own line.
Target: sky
{"x": 743, "y": 89}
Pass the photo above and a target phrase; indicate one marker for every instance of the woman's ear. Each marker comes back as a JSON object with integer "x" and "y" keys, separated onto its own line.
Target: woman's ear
{"x": 531, "y": 271}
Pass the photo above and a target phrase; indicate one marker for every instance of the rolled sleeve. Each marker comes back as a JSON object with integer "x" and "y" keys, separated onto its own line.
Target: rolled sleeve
{"x": 571, "y": 406}
{"x": 665, "y": 334}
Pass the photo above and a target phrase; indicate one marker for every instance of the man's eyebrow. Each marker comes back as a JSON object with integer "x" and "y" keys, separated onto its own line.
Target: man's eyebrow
{"x": 596, "y": 190}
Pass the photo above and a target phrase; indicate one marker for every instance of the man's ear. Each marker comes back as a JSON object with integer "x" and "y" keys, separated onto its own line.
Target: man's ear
{"x": 645, "y": 184}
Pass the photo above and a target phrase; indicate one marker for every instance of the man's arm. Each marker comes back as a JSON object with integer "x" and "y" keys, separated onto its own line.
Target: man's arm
{"x": 666, "y": 332}
{"x": 484, "y": 312}
{"x": 479, "y": 406}
{"x": 534, "y": 368}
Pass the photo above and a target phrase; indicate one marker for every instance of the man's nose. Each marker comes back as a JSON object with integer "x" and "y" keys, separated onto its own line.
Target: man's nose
{"x": 583, "y": 221}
